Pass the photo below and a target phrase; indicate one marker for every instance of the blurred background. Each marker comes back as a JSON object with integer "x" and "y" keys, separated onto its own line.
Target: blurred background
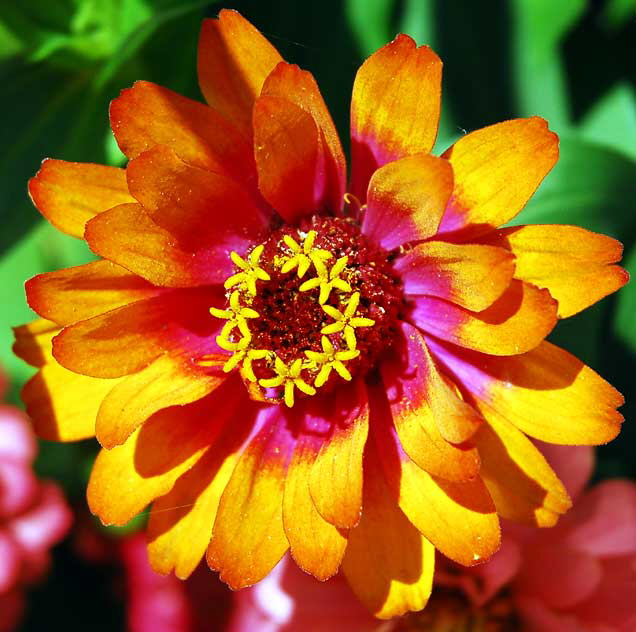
{"x": 62, "y": 62}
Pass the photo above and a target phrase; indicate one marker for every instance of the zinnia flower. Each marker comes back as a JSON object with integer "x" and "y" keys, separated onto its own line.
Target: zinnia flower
{"x": 277, "y": 361}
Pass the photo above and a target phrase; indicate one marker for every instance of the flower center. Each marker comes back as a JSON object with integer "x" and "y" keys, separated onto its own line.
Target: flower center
{"x": 308, "y": 307}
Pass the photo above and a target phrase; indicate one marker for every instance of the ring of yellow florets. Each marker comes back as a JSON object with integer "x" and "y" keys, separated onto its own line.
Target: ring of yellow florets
{"x": 310, "y": 369}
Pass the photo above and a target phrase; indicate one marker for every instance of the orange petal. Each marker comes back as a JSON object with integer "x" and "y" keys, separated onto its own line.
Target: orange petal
{"x": 497, "y": 169}
{"x": 316, "y": 545}
{"x": 287, "y": 146}
{"x": 125, "y": 479}
{"x": 547, "y": 393}
{"x": 233, "y": 61}
{"x": 395, "y": 108}
{"x": 571, "y": 262}
{"x": 406, "y": 200}
{"x": 196, "y": 206}
{"x": 335, "y": 481}
{"x": 409, "y": 409}
{"x": 248, "y": 538}
{"x": 388, "y": 564}
{"x": 299, "y": 87}
{"x": 68, "y": 194}
{"x": 180, "y": 523}
{"x": 147, "y": 115}
{"x": 128, "y": 339}
{"x": 66, "y": 296}
{"x": 460, "y": 519}
{"x": 63, "y": 405}
{"x": 168, "y": 381}
{"x": 127, "y": 236}
{"x": 470, "y": 275}
{"x": 523, "y": 486}
{"x": 516, "y": 322}
{"x": 33, "y": 341}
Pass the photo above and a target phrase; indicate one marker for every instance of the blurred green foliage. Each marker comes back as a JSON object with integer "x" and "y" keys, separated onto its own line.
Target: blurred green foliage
{"x": 574, "y": 63}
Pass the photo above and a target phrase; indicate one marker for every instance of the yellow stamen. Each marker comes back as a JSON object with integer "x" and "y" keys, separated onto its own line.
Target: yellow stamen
{"x": 346, "y": 322}
{"x": 329, "y": 360}
{"x": 327, "y": 281}
{"x": 289, "y": 377}
{"x": 304, "y": 255}
{"x": 251, "y": 272}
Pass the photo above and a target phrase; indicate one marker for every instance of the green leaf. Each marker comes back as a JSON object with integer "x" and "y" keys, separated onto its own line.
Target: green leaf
{"x": 42, "y": 250}
{"x": 591, "y": 186}
{"x": 612, "y": 121}
{"x": 539, "y": 28}
{"x": 625, "y": 319}
{"x": 370, "y": 21}
{"x": 617, "y": 12}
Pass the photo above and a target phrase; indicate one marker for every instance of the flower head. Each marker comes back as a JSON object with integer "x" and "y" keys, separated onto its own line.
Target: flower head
{"x": 273, "y": 368}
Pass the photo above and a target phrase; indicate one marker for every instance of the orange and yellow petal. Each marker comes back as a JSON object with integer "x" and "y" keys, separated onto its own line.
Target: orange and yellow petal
{"x": 147, "y": 115}
{"x": 68, "y": 194}
{"x": 299, "y": 86}
{"x": 248, "y": 538}
{"x": 406, "y": 200}
{"x": 127, "y": 478}
{"x": 128, "y": 339}
{"x": 168, "y": 381}
{"x": 406, "y": 407}
{"x": 388, "y": 563}
{"x": 497, "y": 169}
{"x": 233, "y": 62}
{"x": 66, "y": 296}
{"x": 127, "y": 236}
{"x": 571, "y": 262}
{"x": 33, "y": 341}
{"x": 547, "y": 393}
{"x": 516, "y": 322}
{"x": 316, "y": 545}
{"x": 471, "y": 275}
{"x": 395, "y": 108}
{"x": 287, "y": 148}
{"x": 522, "y": 484}
{"x": 63, "y": 405}
{"x": 335, "y": 481}
{"x": 199, "y": 209}
{"x": 180, "y": 523}
{"x": 459, "y": 518}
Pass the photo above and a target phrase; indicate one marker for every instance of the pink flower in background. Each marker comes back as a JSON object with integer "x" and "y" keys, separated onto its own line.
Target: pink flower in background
{"x": 163, "y": 603}
{"x": 33, "y": 514}
{"x": 579, "y": 576}
{"x": 289, "y": 600}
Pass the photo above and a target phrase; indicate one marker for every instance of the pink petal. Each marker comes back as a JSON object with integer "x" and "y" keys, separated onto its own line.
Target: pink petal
{"x": 10, "y": 562}
{"x": 572, "y": 464}
{"x": 613, "y": 604}
{"x": 603, "y": 522}
{"x": 558, "y": 576}
{"x": 538, "y": 617}
{"x": 288, "y": 600}
{"x": 16, "y": 438}
{"x": 18, "y": 487}
{"x": 45, "y": 523}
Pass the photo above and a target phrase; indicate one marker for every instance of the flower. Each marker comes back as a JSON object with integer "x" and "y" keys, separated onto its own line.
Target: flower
{"x": 262, "y": 405}
{"x": 577, "y": 577}
{"x": 33, "y": 515}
